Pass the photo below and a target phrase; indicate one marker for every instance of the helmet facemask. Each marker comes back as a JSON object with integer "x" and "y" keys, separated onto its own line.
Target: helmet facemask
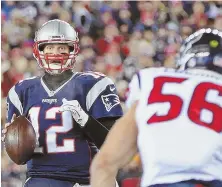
{"x": 48, "y": 61}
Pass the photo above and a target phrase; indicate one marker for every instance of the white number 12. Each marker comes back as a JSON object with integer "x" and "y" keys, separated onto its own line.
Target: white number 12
{"x": 51, "y": 132}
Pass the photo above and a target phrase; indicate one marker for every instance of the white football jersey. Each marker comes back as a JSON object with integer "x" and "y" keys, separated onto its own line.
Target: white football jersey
{"x": 179, "y": 119}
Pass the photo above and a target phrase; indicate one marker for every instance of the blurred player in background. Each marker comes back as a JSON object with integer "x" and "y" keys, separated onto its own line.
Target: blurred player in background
{"x": 51, "y": 102}
{"x": 175, "y": 120}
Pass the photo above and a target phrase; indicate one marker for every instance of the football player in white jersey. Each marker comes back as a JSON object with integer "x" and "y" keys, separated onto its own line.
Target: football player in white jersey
{"x": 174, "y": 120}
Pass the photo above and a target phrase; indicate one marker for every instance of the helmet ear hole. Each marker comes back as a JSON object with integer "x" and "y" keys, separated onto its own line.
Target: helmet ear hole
{"x": 41, "y": 47}
{"x": 71, "y": 48}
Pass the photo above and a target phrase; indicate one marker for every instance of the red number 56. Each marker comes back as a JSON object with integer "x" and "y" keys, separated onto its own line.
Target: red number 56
{"x": 197, "y": 103}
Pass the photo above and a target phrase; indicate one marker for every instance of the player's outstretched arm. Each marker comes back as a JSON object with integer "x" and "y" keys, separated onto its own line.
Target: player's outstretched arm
{"x": 118, "y": 149}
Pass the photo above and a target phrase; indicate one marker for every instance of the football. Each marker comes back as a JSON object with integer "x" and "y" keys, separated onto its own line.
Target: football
{"x": 20, "y": 140}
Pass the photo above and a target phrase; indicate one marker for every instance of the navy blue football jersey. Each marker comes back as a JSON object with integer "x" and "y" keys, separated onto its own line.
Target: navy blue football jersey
{"x": 63, "y": 151}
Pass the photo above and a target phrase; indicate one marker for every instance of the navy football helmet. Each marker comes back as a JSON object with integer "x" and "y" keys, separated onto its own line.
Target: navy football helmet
{"x": 202, "y": 49}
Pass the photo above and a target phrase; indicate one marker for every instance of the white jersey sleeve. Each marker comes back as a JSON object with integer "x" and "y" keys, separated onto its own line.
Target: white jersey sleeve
{"x": 134, "y": 91}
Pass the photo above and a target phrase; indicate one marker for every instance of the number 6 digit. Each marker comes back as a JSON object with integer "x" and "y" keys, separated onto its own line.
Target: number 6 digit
{"x": 198, "y": 103}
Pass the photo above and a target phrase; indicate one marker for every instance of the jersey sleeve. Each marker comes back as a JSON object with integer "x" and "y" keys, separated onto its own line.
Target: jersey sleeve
{"x": 14, "y": 105}
{"x": 102, "y": 100}
{"x": 133, "y": 91}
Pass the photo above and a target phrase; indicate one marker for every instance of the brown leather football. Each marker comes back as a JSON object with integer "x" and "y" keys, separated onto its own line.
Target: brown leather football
{"x": 20, "y": 140}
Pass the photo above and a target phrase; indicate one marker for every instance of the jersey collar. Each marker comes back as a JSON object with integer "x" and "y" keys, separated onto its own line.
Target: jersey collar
{"x": 206, "y": 72}
{"x": 53, "y": 92}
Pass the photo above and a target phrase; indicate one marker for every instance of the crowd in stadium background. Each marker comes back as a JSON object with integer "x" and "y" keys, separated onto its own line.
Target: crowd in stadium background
{"x": 116, "y": 38}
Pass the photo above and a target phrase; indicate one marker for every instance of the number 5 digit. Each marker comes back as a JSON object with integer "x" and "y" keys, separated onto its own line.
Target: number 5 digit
{"x": 156, "y": 96}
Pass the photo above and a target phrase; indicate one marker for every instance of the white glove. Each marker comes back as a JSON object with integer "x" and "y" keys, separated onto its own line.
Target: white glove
{"x": 78, "y": 113}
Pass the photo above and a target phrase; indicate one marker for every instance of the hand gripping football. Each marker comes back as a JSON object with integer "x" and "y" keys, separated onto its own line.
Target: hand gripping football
{"x": 20, "y": 140}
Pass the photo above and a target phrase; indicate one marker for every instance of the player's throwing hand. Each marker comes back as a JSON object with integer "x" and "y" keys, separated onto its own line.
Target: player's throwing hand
{"x": 78, "y": 113}
{"x": 6, "y": 125}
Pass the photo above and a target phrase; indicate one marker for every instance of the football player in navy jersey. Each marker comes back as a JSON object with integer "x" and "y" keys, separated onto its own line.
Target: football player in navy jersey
{"x": 71, "y": 112}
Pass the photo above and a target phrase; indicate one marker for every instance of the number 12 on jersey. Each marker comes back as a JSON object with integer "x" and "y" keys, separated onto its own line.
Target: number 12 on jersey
{"x": 53, "y": 130}
{"x": 197, "y": 104}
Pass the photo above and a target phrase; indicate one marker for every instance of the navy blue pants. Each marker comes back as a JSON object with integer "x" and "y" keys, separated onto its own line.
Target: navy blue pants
{"x": 46, "y": 182}
{"x": 191, "y": 183}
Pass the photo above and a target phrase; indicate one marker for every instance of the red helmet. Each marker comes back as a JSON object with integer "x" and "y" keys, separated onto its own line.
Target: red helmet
{"x": 56, "y": 31}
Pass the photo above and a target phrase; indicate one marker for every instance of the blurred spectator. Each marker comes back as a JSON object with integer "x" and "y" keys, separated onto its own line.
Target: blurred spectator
{"x": 111, "y": 34}
{"x": 82, "y": 17}
{"x": 7, "y": 7}
{"x": 145, "y": 54}
{"x": 16, "y": 26}
{"x": 185, "y": 31}
{"x": 218, "y": 22}
{"x": 16, "y": 71}
{"x": 100, "y": 65}
{"x": 148, "y": 35}
{"x": 65, "y": 15}
{"x": 27, "y": 49}
{"x": 87, "y": 51}
{"x": 124, "y": 22}
{"x": 199, "y": 18}
{"x": 106, "y": 15}
{"x": 147, "y": 12}
{"x": 178, "y": 13}
{"x": 214, "y": 9}
{"x": 55, "y": 7}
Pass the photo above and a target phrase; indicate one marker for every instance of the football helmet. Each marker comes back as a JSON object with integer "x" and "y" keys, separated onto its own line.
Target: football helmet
{"x": 202, "y": 49}
{"x": 56, "y": 31}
